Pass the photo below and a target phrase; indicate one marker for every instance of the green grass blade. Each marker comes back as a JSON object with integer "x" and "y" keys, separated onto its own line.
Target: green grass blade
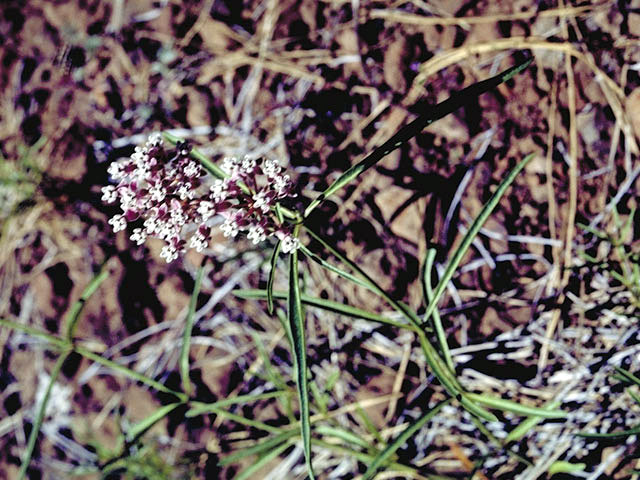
{"x": 127, "y": 372}
{"x": 272, "y": 274}
{"x": 401, "y": 440}
{"x": 52, "y": 339}
{"x": 296, "y": 320}
{"x": 437, "y": 321}
{"x": 142, "y": 426}
{"x": 367, "y": 458}
{"x": 471, "y": 234}
{"x": 628, "y": 376}
{"x": 633, "y": 395}
{"x": 188, "y": 329}
{"x": 437, "y": 365}
{"x": 455, "y": 101}
{"x": 527, "y": 424}
{"x": 259, "y": 448}
{"x": 348, "y": 437}
{"x": 623, "y": 433}
{"x": 263, "y": 461}
{"x": 258, "y": 425}
{"x": 74, "y": 313}
{"x": 35, "y": 429}
{"x": 327, "y": 305}
{"x": 370, "y": 426}
{"x": 562, "y": 466}
{"x": 514, "y": 407}
{"x": 333, "y": 268}
{"x": 64, "y": 345}
{"x": 199, "y": 408}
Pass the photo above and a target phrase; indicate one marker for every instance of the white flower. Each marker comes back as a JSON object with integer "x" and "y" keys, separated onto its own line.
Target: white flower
{"x": 219, "y": 190}
{"x": 139, "y": 156}
{"x": 281, "y": 184}
{"x": 261, "y": 201}
{"x": 116, "y": 170}
{"x": 186, "y": 191}
{"x": 229, "y": 228}
{"x": 109, "y": 194}
{"x": 198, "y": 242}
{"x": 231, "y": 166}
{"x": 192, "y": 169}
{"x": 169, "y": 253}
{"x": 166, "y": 230}
{"x": 178, "y": 218}
{"x": 118, "y": 222}
{"x": 289, "y": 243}
{"x": 206, "y": 210}
{"x": 256, "y": 234}
{"x": 151, "y": 225}
{"x": 158, "y": 192}
{"x": 248, "y": 164}
{"x": 271, "y": 168}
{"x": 139, "y": 236}
{"x": 155, "y": 140}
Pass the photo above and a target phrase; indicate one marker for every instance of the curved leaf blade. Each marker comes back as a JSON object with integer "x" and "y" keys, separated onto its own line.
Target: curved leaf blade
{"x": 471, "y": 234}
{"x": 296, "y": 320}
{"x": 455, "y": 101}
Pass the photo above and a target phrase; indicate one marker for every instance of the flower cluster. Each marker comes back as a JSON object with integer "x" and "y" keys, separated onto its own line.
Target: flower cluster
{"x": 166, "y": 194}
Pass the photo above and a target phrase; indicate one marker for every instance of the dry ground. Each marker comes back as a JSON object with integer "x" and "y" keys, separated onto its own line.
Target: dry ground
{"x": 318, "y": 84}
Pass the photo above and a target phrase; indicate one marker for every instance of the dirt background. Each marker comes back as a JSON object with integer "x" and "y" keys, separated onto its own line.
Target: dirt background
{"x": 317, "y": 84}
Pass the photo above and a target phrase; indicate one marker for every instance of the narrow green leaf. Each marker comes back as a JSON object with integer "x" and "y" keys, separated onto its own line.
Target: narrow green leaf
{"x": 265, "y": 427}
{"x": 259, "y": 448}
{"x": 528, "y": 423}
{"x": 511, "y": 406}
{"x": 142, "y": 426}
{"x": 319, "y": 397}
{"x": 64, "y": 345}
{"x": 42, "y": 409}
{"x": 127, "y": 372}
{"x": 333, "y": 268}
{"x": 370, "y": 426}
{"x": 75, "y": 310}
{"x": 498, "y": 443}
{"x": 199, "y": 408}
{"x": 188, "y": 329}
{"x": 401, "y": 440}
{"x": 272, "y": 274}
{"x": 367, "y": 458}
{"x": 345, "y": 435}
{"x": 455, "y": 101}
{"x": 630, "y": 377}
{"x": 437, "y": 321}
{"x": 438, "y": 366}
{"x": 561, "y": 466}
{"x": 328, "y": 305}
{"x": 272, "y": 374}
{"x": 52, "y": 339}
{"x": 633, "y": 395}
{"x": 623, "y": 433}
{"x": 471, "y": 234}
{"x": 263, "y": 461}
{"x": 475, "y": 409}
{"x": 296, "y": 320}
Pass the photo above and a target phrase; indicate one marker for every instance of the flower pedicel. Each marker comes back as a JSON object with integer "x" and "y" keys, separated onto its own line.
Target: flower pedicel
{"x": 166, "y": 194}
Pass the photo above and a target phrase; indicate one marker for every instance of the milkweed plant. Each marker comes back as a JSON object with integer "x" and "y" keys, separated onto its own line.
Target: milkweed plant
{"x": 171, "y": 191}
